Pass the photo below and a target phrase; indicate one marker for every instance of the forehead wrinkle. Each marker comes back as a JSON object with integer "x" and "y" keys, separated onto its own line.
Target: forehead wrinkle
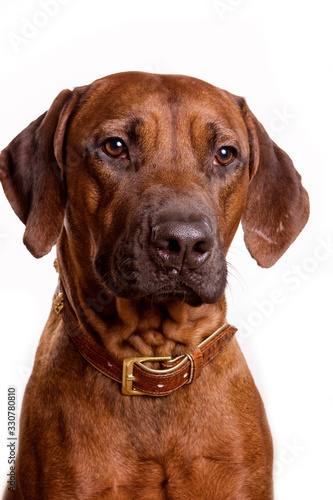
{"x": 132, "y": 127}
{"x": 147, "y": 133}
{"x": 156, "y": 118}
{"x": 181, "y": 137}
{"x": 168, "y": 124}
{"x": 219, "y": 131}
{"x": 214, "y": 132}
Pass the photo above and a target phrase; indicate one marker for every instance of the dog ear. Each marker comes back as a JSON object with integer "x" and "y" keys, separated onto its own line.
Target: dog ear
{"x": 32, "y": 175}
{"x": 277, "y": 206}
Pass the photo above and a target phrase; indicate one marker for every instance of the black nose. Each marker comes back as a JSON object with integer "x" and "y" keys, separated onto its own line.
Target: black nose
{"x": 178, "y": 245}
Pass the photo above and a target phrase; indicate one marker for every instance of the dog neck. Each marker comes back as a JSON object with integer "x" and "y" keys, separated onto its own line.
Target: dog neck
{"x": 135, "y": 327}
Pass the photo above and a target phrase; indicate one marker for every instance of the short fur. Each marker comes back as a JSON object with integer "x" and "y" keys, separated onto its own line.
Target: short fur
{"x": 79, "y": 436}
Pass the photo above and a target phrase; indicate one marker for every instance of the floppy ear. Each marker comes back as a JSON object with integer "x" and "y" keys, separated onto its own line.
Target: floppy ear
{"x": 277, "y": 204}
{"x": 31, "y": 172}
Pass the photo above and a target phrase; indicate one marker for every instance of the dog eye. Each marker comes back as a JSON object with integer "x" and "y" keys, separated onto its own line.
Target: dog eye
{"x": 115, "y": 147}
{"x": 224, "y": 156}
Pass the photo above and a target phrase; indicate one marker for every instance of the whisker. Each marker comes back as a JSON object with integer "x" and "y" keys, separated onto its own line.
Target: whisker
{"x": 233, "y": 271}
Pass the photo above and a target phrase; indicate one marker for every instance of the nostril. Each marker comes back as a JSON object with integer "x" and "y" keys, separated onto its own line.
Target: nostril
{"x": 173, "y": 245}
{"x": 167, "y": 245}
{"x": 200, "y": 247}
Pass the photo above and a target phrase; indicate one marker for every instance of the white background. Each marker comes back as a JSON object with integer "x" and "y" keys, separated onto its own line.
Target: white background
{"x": 277, "y": 54}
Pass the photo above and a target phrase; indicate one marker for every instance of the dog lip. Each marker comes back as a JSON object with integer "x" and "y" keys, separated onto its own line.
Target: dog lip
{"x": 132, "y": 278}
{"x": 188, "y": 296}
{"x": 170, "y": 286}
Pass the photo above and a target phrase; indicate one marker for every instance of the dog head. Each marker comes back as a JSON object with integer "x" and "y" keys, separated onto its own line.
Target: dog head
{"x": 147, "y": 178}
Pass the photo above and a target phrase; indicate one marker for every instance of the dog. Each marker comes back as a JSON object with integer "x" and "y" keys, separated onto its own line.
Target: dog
{"x": 139, "y": 388}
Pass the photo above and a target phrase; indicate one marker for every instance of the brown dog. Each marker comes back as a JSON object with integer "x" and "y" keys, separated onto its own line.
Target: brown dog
{"x": 142, "y": 180}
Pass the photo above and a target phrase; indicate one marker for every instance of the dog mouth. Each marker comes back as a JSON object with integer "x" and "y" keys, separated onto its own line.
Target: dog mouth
{"x": 163, "y": 289}
{"x": 181, "y": 293}
{"x": 168, "y": 287}
{"x": 158, "y": 285}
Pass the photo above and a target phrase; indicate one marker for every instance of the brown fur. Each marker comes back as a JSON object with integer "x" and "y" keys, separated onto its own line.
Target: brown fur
{"x": 79, "y": 437}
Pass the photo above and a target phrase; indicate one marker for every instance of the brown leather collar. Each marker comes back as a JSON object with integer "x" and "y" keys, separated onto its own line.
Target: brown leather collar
{"x": 135, "y": 377}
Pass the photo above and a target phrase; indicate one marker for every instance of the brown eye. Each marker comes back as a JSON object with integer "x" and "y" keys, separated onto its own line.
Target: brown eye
{"x": 115, "y": 147}
{"x": 224, "y": 156}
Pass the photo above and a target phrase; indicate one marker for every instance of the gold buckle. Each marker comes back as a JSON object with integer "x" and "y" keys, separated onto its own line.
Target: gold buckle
{"x": 128, "y": 377}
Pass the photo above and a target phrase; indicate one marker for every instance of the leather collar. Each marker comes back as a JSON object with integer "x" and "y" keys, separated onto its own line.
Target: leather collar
{"x": 134, "y": 376}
